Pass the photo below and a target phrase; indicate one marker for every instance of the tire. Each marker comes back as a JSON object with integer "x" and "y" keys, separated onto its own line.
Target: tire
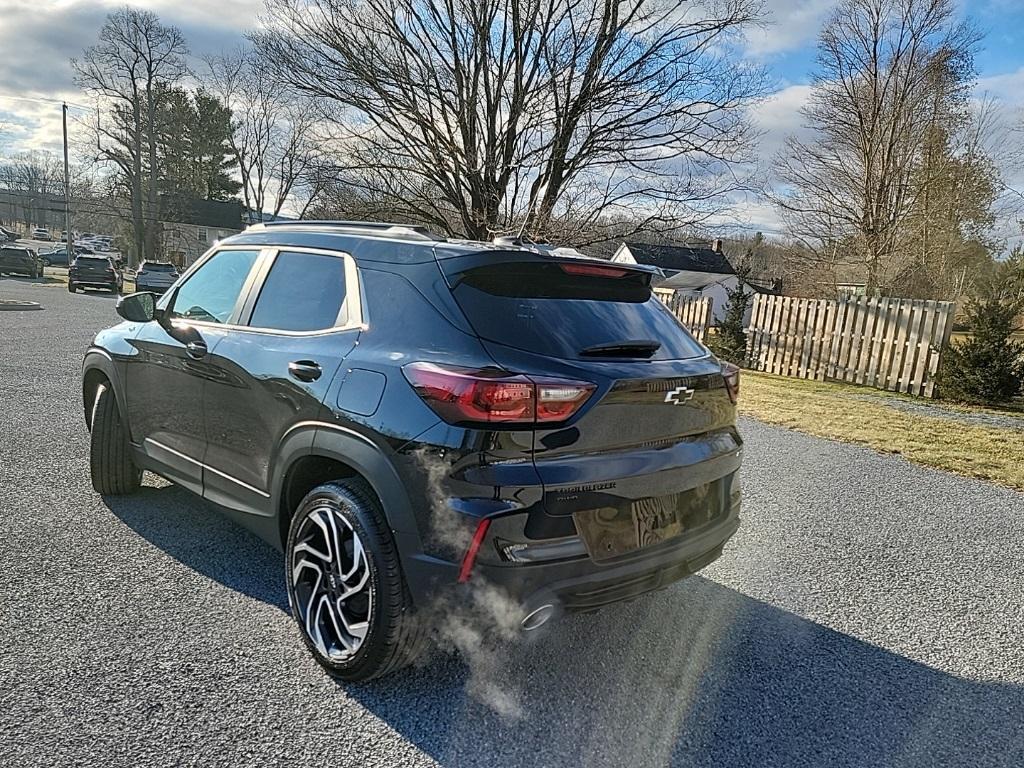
{"x": 72, "y": 288}
{"x": 381, "y": 611}
{"x": 110, "y": 460}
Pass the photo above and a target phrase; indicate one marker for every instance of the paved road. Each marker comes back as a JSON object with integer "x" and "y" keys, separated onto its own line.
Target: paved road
{"x": 869, "y": 613}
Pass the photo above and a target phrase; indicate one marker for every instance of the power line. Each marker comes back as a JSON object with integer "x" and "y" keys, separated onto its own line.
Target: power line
{"x": 46, "y": 100}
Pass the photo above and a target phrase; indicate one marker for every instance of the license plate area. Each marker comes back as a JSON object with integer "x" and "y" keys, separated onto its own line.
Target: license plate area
{"x": 610, "y": 532}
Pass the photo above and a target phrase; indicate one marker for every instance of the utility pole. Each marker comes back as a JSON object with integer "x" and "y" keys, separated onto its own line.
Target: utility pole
{"x": 67, "y": 188}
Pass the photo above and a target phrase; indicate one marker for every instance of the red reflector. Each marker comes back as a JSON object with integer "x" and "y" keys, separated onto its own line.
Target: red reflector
{"x": 731, "y": 374}
{"x": 489, "y": 396}
{"x": 474, "y": 548}
{"x": 593, "y": 270}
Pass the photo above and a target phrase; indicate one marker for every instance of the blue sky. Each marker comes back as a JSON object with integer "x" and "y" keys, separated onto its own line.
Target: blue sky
{"x": 38, "y": 36}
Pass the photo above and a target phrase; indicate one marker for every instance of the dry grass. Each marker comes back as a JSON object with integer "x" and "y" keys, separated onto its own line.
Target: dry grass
{"x": 838, "y": 412}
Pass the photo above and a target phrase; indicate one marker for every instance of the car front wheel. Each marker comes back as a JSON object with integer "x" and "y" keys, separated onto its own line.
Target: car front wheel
{"x": 345, "y": 584}
{"x": 110, "y": 460}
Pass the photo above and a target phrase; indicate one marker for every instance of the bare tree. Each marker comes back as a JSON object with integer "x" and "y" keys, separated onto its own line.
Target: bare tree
{"x": 35, "y": 181}
{"x": 128, "y": 72}
{"x": 478, "y": 117}
{"x": 272, "y": 135}
{"x": 889, "y": 72}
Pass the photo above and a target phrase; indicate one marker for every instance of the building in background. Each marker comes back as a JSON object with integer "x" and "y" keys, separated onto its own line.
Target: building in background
{"x": 190, "y": 227}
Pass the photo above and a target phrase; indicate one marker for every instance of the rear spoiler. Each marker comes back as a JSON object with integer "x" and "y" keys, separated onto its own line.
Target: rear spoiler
{"x": 455, "y": 263}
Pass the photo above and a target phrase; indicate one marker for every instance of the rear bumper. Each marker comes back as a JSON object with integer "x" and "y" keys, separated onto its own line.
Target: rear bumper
{"x": 582, "y": 585}
{"x": 92, "y": 281}
{"x": 152, "y": 288}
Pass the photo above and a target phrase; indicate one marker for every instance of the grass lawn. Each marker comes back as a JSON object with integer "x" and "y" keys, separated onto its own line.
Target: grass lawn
{"x": 841, "y": 412}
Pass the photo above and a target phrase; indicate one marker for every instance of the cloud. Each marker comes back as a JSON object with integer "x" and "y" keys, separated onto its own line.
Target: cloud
{"x": 38, "y": 39}
{"x": 791, "y": 24}
{"x": 779, "y": 116}
{"x": 1008, "y": 87}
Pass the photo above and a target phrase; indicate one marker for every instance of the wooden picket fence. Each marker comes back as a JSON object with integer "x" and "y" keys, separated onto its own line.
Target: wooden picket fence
{"x": 892, "y": 344}
{"x": 693, "y": 311}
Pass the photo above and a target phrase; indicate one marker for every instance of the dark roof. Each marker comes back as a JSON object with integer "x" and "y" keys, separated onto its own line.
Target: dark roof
{"x": 690, "y": 258}
{"x": 216, "y": 214}
{"x": 768, "y": 287}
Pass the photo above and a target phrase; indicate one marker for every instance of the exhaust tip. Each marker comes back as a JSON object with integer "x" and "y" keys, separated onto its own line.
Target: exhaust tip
{"x": 538, "y": 617}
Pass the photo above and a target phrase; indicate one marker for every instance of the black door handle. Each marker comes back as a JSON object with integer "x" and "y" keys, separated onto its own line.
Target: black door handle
{"x": 196, "y": 349}
{"x": 305, "y": 370}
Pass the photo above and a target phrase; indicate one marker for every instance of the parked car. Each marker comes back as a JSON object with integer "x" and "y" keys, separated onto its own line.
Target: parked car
{"x": 9, "y": 234}
{"x": 41, "y": 233}
{"x": 155, "y": 276}
{"x": 59, "y": 256}
{"x": 408, "y": 417}
{"x": 94, "y": 272}
{"x": 20, "y": 260}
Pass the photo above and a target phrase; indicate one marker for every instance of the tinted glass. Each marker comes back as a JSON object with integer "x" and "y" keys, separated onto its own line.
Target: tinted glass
{"x": 157, "y": 267}
{"x": 539, "y": 308}
{"x": 86, "y": 261}
{"x": 303, "y": 292}
{"x": 211, "y": 292}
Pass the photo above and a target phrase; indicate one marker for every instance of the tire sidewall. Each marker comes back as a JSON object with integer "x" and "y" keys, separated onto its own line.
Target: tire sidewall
{"x": 341, "y": 500}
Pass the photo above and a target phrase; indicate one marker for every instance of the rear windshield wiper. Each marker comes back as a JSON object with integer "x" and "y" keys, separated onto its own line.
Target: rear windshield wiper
{"x": 631, "y": 348}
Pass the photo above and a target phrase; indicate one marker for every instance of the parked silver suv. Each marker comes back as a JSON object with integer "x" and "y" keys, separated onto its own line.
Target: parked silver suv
{"x": 155, "y": 276}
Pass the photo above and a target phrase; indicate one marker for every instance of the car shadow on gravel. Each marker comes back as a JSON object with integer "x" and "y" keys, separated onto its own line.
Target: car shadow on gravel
{"x": 202, "y": 538}
{"x": 700, "y": 675}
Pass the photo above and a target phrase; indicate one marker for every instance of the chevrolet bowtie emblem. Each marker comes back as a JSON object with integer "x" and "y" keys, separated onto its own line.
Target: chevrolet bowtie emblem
{"x": 679, "y": 395}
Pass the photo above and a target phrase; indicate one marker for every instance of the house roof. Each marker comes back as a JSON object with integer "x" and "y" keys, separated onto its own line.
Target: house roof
{"x": 688, "y": 258}
{"x": 215, "y": 214}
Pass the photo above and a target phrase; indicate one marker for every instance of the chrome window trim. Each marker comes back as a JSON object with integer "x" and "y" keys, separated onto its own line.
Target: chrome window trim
{"x": 351, "y": 306}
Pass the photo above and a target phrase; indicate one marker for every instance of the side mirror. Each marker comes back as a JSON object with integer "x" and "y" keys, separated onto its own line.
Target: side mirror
{"x": 137, "y": 307}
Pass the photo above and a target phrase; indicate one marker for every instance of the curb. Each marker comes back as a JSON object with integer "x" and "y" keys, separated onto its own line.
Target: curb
{"x": 12, "y": 305}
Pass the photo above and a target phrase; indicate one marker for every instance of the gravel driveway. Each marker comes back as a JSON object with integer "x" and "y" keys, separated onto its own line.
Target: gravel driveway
{"x": 868, "y": 613}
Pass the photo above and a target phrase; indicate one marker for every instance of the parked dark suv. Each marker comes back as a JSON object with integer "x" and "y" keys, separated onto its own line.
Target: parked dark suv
{"x": 20, "y": 260}
{"x": 94, "y": 272}
{"x": 409, "y": 418}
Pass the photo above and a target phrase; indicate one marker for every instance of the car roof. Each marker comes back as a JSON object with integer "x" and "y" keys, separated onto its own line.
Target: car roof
{"x": 381, "y": 242}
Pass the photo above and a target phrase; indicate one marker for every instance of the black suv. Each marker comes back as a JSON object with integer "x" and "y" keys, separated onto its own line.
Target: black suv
{"x": 410, "y": 418}
{"x": 20, "y": 260}
{"x": 94, "y": 272}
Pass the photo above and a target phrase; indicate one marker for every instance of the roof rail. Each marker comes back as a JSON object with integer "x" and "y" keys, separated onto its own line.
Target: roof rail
{"x": 408, "y": 231}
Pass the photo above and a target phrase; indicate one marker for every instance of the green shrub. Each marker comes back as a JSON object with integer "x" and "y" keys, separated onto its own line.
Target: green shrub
{"x": 986, "y": 368}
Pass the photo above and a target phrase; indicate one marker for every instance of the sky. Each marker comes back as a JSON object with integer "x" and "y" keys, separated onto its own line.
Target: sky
{"x": 37, "y": 38}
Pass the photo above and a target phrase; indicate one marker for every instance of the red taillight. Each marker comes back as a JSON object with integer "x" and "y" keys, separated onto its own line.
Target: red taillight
{"x": 731, "y": 374}
{"x": 593, "y": 270}
{"x": 488, "y": 396}
{"x": 474, "y": 548}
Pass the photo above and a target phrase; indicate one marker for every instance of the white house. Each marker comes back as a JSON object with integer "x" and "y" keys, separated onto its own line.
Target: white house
{"x": 695, "y": 269}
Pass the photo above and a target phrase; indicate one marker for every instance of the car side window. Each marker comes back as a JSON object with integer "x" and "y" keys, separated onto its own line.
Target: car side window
{"x": 302, "y": 292}
{"x": 211, "y": 292}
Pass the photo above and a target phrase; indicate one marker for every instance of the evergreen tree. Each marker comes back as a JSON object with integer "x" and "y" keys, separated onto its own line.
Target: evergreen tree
{"x": 195, "y": 133}
{"x": 730, "y": 340}
{"x": 988, "y": 367}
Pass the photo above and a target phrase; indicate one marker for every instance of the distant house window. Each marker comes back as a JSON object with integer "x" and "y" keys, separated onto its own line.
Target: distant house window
{"x": 204, "y": 236}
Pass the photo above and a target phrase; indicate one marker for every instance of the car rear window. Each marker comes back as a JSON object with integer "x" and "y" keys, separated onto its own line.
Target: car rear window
{"x": 539, "y": 307}
{"x": 150, "y": 267}
{"x": 90, "y": 261}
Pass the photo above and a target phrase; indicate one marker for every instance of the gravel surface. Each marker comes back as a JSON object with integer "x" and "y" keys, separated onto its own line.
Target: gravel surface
{"x": 937, "y": 411}
{"x": 868, "y": 613}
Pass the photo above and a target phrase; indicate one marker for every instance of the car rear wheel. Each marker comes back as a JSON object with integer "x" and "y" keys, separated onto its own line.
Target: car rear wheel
{"x": 345, "y": 584}
{"x": 110, "y": 460}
